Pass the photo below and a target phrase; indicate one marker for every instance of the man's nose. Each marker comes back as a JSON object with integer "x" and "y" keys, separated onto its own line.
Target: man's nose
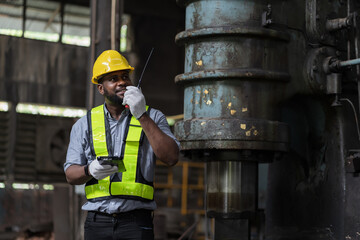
{"x": 121, "y": 82}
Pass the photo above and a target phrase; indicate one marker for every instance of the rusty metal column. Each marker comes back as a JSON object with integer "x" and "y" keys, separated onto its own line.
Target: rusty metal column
{"x": 235, "y": 71}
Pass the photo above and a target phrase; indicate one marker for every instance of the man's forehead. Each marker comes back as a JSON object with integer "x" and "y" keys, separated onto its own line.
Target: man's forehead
{"x": 120, "y": 72}
{"x": 108, "y": 76}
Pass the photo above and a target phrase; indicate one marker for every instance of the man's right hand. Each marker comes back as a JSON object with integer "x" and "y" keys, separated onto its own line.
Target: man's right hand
{"x": 99, "y": 171}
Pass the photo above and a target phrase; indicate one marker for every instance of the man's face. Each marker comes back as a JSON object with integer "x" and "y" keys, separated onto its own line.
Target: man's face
{"x": 113, "y": 86}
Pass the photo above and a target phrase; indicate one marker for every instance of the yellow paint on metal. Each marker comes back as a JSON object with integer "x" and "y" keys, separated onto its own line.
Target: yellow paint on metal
{"x": 243, "y": 126}
{"x": 199, "y": 63}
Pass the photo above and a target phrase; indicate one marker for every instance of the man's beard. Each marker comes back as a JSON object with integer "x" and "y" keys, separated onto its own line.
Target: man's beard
{"x": 113, "y": 98}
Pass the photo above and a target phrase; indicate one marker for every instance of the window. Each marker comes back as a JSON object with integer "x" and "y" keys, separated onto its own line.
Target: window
{"x": 125, "y": 36}
{"x": 76, "y": 25}
{"x": 43, "y": 22}
{"x": 11, "y": 17}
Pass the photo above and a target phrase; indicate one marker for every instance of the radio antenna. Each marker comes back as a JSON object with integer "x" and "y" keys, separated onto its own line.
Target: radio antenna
{"x": 147, "y": 61}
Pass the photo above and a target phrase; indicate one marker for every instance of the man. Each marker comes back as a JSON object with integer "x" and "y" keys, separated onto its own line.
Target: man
{"x": 113, "y": 150}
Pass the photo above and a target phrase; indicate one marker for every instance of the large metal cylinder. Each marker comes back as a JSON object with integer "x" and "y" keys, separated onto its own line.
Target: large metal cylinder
{"x": 235, "y": 71}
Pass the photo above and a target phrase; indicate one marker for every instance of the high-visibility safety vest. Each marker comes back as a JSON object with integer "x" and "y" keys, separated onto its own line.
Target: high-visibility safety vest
{"x": 132, "y": 184}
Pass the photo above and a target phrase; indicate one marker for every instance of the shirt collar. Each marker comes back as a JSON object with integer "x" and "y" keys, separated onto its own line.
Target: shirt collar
{"x": 126, "y": 112}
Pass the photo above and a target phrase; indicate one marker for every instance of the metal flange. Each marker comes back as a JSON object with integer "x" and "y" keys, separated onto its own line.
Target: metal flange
{"x": 232, "y": 134}
{"x": 316, "y": 68}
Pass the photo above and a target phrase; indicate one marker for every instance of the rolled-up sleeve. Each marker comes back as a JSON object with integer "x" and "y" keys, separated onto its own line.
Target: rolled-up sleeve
{"x": 76, "y": 150}
{"x": 162, "y": 123}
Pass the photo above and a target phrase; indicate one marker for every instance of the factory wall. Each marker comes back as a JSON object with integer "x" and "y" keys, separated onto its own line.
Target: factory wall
{"x": 42, "y": 72}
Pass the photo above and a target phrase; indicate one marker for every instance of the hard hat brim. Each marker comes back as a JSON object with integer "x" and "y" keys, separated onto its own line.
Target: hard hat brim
{"x": 95, "y": 80}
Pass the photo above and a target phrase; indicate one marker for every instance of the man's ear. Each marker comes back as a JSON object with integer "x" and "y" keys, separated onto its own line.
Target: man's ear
{"x": 100, "y": 88}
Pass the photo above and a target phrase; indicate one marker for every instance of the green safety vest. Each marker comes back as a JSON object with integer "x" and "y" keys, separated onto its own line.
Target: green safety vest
{"x": 133, "y": 185}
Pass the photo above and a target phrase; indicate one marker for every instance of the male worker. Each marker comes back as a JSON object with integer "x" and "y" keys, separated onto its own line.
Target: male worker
{"x": 120, "y": 193}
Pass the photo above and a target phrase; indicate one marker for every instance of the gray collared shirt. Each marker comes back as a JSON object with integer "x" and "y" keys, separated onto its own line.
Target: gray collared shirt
{"x": 79, "y": 153}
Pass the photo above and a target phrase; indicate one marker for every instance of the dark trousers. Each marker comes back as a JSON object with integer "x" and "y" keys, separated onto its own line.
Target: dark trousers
{"x": 134, "y": 225}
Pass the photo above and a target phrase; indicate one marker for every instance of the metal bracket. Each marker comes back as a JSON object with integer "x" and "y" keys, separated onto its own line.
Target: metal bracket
{"x": 352, "y": 161}
{"x": 266, "y": 16}
{"x": 319, "y": 75}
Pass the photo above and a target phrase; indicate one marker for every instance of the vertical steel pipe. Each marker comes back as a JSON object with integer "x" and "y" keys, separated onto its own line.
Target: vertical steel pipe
{"x": 231, "y": 187}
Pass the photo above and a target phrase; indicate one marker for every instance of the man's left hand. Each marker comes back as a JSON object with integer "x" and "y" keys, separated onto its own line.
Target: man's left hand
{"x": 134, "y": 98}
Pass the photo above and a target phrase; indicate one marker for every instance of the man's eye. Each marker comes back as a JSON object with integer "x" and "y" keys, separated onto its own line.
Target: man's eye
{"x": 125, "y": 77}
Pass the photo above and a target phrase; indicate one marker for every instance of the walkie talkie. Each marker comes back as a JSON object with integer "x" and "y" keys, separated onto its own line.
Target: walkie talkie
{"x": 113, "y": 161}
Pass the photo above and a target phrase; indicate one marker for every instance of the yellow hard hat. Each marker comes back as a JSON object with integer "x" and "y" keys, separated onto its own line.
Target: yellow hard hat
{"x": 109, "y": 61}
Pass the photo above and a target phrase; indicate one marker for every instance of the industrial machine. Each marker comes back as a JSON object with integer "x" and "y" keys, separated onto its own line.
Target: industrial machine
{"x": 266, "y": 83}
{"x": 274, "y": 82}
